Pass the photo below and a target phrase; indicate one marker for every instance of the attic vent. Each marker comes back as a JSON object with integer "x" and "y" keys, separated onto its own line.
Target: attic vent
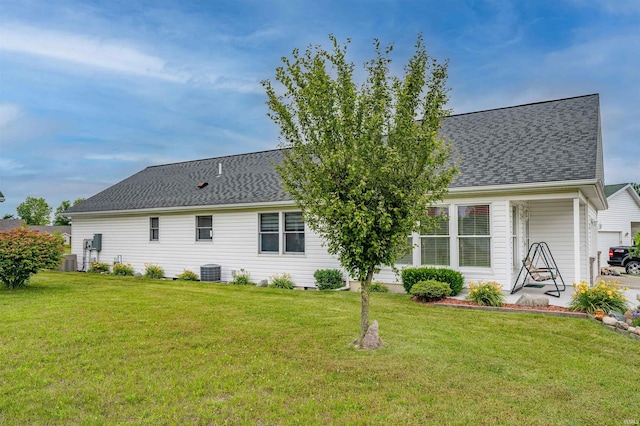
{"x": 202, "y": 184}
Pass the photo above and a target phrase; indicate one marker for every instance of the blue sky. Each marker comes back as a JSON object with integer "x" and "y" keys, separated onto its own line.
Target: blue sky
{"x": 92, "y": 92}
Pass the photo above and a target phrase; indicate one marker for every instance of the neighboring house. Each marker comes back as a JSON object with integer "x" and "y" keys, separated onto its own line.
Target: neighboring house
{"x": 528, "y": 173}
{"x": 9, "y": 224}
{"x": 621, "y": 221}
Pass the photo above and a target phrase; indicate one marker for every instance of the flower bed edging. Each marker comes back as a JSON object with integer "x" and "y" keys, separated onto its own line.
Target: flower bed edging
{"x": 500, "y": 309}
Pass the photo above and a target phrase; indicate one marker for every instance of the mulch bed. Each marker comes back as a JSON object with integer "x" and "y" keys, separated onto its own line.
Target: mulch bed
{"x": 508, "y": 307}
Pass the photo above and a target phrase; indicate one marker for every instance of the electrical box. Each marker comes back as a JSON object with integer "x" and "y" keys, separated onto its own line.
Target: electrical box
{"x": 96, "y": 244}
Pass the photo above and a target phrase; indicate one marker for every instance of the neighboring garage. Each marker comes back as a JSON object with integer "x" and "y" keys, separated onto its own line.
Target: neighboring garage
{"x": 618, "y": 224}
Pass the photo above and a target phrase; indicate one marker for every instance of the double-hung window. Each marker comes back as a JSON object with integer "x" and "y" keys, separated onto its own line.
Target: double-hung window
{"x": 281, "y": 233}
{"x": 154, "y": 229}
{"x": 474, "y": 236}
{"x": 269, "y": 233}
{"x": 204, "y": 228}
{"x": 293, "y": 233}
{"x": 434, "y": 238}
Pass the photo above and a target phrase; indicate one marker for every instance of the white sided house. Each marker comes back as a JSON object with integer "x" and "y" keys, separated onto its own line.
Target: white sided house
{"x": 528, "y": 173}
{"x": 621, "y": 221}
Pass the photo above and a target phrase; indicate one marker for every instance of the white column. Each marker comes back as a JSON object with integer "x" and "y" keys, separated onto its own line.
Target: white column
{"x": 576, "y": 239}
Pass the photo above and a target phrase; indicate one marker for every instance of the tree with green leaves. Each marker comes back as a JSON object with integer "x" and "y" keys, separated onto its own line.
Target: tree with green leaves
{"x": 34, "y": 211}
{"x": 60, "y": 219}
{"x": 362, "y": 162}
{"x": 636, "y": 187}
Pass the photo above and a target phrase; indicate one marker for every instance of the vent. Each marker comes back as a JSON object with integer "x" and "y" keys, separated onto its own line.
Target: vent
{"x": 210, "y": 272}
{"x": 202, "y": 184}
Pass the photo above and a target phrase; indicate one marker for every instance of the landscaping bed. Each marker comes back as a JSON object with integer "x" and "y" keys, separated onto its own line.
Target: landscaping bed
{"x": 466, "y": 304}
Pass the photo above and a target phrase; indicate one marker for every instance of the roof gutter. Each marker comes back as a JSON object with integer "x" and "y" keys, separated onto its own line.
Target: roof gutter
{"x": 180, "y": 209}
{"x": 600, "y": 199}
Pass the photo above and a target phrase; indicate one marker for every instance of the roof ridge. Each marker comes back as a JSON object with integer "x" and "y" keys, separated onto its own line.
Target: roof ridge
{"x": 527, "y": 104}
{"x": 215, "y": 158}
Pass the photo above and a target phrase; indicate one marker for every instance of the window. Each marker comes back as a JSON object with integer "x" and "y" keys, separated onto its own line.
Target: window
{"x": 474, "y": 236}
{"x": 293, "y": 233}
{"x": 204, "y": 228}
{"x": 407, "y": 259}
{"x": 434, "y": 240}
{"x": 281, "y": 233}
{"x": 154, "y": 229}
{"x": 269, "y": 233}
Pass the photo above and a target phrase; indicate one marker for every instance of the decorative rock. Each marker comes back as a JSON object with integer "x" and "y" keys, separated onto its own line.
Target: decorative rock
{"x": 609, "y": 321}
{"x": 622, "y": 325}
{"x": 263, "y": 283}
{"x": 628, "y": 314}
{"x": 636, "y": 330}
{"x": 632, "y": 330}
{"x": 532, "y": 301}
{"x": 372, "y": 340}
{"x": 617, "y": 315}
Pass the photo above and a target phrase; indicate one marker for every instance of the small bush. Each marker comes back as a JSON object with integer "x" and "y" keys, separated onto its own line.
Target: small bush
{"x": 153, "y": 271}
{"x": 605, "y": 295}
{"x": 635, "y": 317}
{"x": 242, "y": 277}
{"x": 486, "y": 294}
{"x": 378, "y": 288}
{"x": 282, "y": 281}
{"x": 328, "y": 279}
{"x": 122, "y": 269}
{"x": 430, "y": 290}
{"x": 188, "y": 275}
{"x": 23, "y": 252}
{"x": 411, "y": 276}
{"x": 98, "y": 268}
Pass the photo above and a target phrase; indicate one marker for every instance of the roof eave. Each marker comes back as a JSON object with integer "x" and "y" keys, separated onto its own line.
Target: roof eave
{"x": 156, "y": 210}
{"x": 598, "y": 198}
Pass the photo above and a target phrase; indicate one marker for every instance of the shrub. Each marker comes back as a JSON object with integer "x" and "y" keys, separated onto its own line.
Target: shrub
{"x": 122, "y": 269}
{"x": 378, "y": 288}
{"x": 242, "y": 277}
{"x": 153, "y": 271}
{"x": 328, "y": 279}
{"x": 430, "y": 290}
{"x": 23, "y": 252}
{"x": 98, "y": 268}
{"x": 411, "y": 276}
{"x": 282, "y": 281}
{"x": 188, "y": 275}
{"x": 488, "y": 294}
{"x": 605, "y": 295}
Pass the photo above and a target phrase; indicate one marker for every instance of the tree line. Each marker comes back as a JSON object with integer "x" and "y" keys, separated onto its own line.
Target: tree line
{"x": 36, "y": 211}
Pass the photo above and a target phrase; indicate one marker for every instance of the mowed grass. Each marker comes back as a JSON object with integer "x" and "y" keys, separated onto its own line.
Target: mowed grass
{"x": 90, "y": 349}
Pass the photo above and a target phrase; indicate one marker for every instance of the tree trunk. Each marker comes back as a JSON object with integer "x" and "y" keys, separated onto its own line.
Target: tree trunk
{"x": 365, "y": 286}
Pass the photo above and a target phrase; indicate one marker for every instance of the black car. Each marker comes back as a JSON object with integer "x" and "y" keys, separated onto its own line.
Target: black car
{"x": 619, "y": 256}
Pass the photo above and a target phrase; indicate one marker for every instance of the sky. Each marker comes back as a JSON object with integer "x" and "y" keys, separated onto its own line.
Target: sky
{"x": 92, "y": 92}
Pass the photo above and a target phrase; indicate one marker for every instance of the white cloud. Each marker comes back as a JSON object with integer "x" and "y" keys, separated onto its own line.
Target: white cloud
{"x": 129, "y": 157}
{"x": 8, "y": 114}
{"x": 115, "y": 56}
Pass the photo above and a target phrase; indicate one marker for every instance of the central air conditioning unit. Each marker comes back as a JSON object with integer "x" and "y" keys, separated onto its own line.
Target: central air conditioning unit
{"x": 210, "y": 272}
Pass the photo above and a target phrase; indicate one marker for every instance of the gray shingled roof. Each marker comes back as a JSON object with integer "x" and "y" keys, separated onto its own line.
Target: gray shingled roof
{"x": 609, "y": 190}
{"x": 541, "y": 142}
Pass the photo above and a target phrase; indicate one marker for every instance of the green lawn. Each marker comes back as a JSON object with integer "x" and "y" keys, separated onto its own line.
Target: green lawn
{"x": 86, "y": 349}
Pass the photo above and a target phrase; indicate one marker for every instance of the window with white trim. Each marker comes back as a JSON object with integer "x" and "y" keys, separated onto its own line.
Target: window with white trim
{"x": 435, "y": 245}
{"x": 154, "y": 229}
{"x": 293, "y": 232}
{"x": 474, "y": 236}
{"x": 407, "y": 259}
{"x": 269, "y": 230}
{"x": 204, "y": 228}
{"x": 281, "y": 233}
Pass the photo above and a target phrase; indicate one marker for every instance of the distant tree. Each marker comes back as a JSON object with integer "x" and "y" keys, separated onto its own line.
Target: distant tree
{"x": 364, "y": 162}
{"x": 34, "y": 211}
{"x": 60, "y": 219}
{"x": 8, "y": 216}
{"x": 636, "y": 186}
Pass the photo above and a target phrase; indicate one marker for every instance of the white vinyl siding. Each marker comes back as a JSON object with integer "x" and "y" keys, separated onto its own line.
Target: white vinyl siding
{"x": 622, "y": 218}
